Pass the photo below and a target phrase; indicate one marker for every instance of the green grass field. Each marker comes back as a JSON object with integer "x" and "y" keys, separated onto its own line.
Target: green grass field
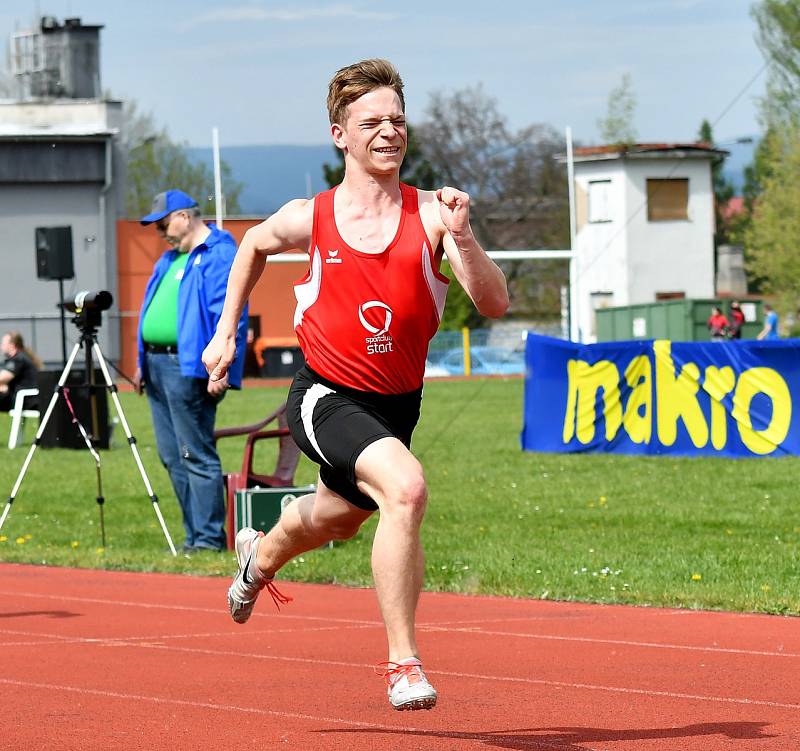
{"x": 697, "y": 533}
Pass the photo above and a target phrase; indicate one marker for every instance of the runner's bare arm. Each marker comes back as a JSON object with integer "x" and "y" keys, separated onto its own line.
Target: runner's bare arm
{"x": 478, "y": 274}
{"x": 289, "y": 228}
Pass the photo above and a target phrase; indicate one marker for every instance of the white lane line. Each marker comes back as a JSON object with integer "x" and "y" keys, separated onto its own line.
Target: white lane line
{"x": 189, "y": 608}
{"x": 512, "y": 619}
{"x": 11, "y": 632}
{"x": 132, "y": 640}
{"x": 134, "y": 643}
{"x": 470, "y": 676}
{"x": 477, "y": 737}
{"x": 203, "y": 705}
{"x": 620, "y": 642}
{"x": 447, "y": 629}
{"x": 421, "y": 626}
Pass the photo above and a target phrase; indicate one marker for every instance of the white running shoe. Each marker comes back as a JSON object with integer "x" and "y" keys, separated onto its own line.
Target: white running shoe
{"x": 408, "y": 686}
{"x": 243, "y": 593}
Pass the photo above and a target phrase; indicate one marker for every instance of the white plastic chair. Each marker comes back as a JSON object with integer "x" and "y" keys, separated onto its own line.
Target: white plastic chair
{"x": 18, "y": 415}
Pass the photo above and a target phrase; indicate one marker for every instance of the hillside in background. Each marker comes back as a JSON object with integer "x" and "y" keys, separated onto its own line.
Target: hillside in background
{"x": 274, "y": 174}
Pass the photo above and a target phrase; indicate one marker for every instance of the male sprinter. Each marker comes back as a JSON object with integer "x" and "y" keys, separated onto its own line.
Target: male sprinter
{"x": 366, "y": 311}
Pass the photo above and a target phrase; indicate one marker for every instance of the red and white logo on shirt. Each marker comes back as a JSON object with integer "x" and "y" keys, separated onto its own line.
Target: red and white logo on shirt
{"x": 381, "y": 339}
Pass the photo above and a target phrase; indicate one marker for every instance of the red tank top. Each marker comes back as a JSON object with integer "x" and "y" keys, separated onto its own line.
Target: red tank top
{"x": 364, "y": 320}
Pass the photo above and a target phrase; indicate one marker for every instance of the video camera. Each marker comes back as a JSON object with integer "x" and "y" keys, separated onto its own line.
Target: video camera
{"x": 88, "y": 307}
{"x": 88, "y": 300}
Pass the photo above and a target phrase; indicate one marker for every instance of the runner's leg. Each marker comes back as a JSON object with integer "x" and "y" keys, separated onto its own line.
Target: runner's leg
{"x": 390, "y": 474}
{"x": 305, "y": 524}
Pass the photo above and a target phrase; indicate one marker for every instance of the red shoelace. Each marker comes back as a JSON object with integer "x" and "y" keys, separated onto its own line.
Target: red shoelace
{"x": 277, "y": 596}
{"x": 394, "y": 671}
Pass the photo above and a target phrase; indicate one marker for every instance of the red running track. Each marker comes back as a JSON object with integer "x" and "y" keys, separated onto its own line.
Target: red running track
{"x": 110, "y": 660}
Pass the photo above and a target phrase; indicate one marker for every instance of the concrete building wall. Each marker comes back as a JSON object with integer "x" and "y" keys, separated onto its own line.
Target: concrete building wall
{"x": 601, "y": 245}
{"x": 62, "y": 167}
{"x": 625, "y": 258}
{"x": 61, "y": 115}
{"x": 676, "y": 255}
{"x": 29, "y": 304}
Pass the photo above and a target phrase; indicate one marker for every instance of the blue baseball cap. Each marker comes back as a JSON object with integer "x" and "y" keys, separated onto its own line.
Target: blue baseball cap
{"x": 167, "y": 202}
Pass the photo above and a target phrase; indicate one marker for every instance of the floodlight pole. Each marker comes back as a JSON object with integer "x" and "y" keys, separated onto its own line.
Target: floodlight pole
{"x": 63, "y": 323}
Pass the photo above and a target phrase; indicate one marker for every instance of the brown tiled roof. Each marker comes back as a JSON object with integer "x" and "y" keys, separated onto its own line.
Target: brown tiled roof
{"x": 733, "y": 207}
{"x": 638, "y": 147}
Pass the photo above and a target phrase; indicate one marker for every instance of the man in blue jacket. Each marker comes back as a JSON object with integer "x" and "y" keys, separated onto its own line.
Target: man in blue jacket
{"x": 182, "y": 305}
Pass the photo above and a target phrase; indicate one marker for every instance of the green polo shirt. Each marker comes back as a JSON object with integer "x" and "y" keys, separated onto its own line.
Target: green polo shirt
{"x": 160, "y": 325}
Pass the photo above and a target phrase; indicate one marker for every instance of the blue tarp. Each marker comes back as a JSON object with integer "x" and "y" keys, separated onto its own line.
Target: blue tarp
{"x": 732, "y": 398}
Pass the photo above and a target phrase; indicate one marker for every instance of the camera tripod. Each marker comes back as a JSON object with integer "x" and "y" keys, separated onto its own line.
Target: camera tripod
{"x": 87, "y": 320}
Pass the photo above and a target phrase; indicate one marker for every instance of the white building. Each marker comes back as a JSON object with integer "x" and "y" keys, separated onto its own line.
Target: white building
{"x": 60, "y": 166}
{"x": 644, "y": 226}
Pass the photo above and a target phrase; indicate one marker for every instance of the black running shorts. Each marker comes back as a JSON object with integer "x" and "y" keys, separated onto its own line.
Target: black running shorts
{"x": 333, "y": 424}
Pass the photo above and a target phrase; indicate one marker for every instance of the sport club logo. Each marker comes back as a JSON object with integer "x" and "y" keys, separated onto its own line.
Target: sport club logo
{"x": 377, "y": 323}
{"x": 333, "y": 257}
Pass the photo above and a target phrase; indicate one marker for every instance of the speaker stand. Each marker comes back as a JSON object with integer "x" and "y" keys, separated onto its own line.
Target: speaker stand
{"x": 63, "y": 323}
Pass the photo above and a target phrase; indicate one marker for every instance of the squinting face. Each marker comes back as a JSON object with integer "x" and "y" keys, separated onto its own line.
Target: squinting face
{"x": 375, "y": 132}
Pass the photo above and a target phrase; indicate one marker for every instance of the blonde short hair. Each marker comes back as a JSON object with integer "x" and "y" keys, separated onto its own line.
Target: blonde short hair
{"x": 355, "y": 80}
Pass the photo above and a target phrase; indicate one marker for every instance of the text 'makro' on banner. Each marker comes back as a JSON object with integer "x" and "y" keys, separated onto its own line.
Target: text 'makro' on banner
{"x": 661, "y": 397}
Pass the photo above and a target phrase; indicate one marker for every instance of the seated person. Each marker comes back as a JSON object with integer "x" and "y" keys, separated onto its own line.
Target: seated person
{"x": 17, "y": 372}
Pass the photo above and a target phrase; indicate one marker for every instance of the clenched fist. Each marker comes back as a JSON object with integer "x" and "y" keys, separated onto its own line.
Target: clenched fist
{"x": 454, "y": 210}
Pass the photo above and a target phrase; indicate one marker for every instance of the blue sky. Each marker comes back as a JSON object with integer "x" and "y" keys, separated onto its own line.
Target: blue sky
{"x": 259, "y": 70}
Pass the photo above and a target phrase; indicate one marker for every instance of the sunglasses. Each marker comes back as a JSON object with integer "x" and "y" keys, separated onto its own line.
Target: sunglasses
{"x": 162, "y": 224}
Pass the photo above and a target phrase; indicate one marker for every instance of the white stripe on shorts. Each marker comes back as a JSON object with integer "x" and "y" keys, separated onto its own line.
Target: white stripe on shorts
{"x": 310, "y": 399}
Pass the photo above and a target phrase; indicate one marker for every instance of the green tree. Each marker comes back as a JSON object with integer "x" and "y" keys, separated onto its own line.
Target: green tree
{"x": 617, "y": 127}
{"x": 153, "y": 163}
{"x": 778, "y": 36}
{"x": 416, "y": 169}
{"x": 723, "y": 190}
{"x": 769, "y": 229}
{"x": 518, "y": 196}
{"x": 773, "y": 237}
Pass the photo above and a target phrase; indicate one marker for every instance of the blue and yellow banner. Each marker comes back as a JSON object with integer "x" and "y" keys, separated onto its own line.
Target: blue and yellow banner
{"x": 732, "y": 398}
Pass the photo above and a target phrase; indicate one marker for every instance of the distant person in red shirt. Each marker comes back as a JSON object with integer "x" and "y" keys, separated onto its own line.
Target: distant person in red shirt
{"x": 366, "y": 311}
{"x": 736, "y": 322}
{"x": 717, "y": 325}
